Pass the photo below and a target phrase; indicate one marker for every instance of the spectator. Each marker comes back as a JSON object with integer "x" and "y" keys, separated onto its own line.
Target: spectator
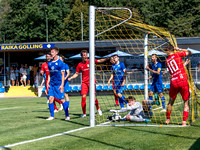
{"x": 17, "y": 76}
{"x": 134, "y": 68}
{"x": 12, "y": 76}
{"x": 35, "y": 70}
{"x": 23, "y": 78}
{"x": 28, "y": 74}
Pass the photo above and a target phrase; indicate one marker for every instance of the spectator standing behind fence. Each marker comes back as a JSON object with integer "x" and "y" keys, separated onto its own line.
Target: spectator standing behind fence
{"x": 23, "y": 79}
{"x": 35, "y": 69}
{"x": 12, "y": 76}
{"x": 28, "y": 74}
{"x": 20, "y": 71}
{"x": 17, "y": 76}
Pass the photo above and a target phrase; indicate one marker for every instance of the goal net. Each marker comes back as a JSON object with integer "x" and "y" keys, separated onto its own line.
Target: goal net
{"x": 126, "y": 31}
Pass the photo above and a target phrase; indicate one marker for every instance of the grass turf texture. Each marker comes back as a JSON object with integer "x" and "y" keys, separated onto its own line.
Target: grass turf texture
{"x": 24, "y": 119}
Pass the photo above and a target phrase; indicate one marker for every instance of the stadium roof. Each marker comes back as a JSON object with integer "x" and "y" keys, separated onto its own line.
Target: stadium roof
{"x": 100, "y": 45}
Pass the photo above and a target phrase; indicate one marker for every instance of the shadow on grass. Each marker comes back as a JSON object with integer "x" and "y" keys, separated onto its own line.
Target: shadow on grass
{"x": 97, "y": 141}
{"x": 41, "y": 117}
{"x": 196, "y": 145}
{"x": 153, "y": 132}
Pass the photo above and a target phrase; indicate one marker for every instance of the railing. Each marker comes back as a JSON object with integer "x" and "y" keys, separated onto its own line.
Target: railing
{"x": 102, "y": 77}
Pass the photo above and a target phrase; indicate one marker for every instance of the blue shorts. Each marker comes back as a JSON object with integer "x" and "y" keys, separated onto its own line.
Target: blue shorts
{"x": 66, "y": 86}
{"x": 156, "y": 87}
{"x": 55, "y": 92}
{"x": 119, "y": 89}
{"x": 28, "y": 77}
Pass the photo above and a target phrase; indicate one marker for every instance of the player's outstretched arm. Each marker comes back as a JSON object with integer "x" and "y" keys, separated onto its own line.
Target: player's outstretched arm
{"x": 103, "y": 60}
{"x": 73, "y": 77}
{"x": 188, "y": 53}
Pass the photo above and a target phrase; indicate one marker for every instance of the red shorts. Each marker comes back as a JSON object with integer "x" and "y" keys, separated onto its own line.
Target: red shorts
{"x": 181, "y": 86}
{"x": 85, "y": 88}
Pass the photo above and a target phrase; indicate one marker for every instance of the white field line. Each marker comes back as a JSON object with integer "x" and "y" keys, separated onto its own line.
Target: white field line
{"x": 9, "y": 108}
{"x": 166, "y": 105}
{"x": 42, "y": 138}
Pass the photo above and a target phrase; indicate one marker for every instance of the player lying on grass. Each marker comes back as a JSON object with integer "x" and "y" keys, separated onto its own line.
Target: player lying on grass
{"x": 136, "y": 113}
{"x": 178, "y": 82}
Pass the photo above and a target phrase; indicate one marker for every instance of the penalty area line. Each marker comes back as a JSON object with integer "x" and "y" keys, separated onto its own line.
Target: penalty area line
{"x": 9, "y": 108}
{"x": 42, "y": 138}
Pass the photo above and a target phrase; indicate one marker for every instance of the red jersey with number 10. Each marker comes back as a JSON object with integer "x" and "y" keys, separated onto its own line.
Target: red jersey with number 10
{"x": 45, "y": 69}
{"x": 84, "y": 68}
{"x": 175, "y": 65}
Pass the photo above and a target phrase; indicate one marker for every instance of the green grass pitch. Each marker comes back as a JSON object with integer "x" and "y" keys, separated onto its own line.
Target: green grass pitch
{"x": 24, "y": 119}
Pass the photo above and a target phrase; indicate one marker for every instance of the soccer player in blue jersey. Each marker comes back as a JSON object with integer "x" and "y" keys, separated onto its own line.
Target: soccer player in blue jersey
{"x": 156, "y": 86}
{"x": 56, "y": 85}
{"x": 66, "y": 83}
{"x": 119, "y": 71}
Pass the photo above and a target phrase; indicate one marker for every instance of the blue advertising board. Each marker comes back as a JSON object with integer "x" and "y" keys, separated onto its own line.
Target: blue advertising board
{"x": 25, "y": 47}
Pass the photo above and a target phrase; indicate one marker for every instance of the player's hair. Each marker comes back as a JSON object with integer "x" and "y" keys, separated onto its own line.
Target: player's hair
{"x": 116, "y": 55}
{"x": 63, "y": 57}
{"x": 83, "y": 51}
{"x": 155, "y": 55}
{"x": 130, "y": 98}
{"x": 55, "y": 48}
{"x": 48, "y": 53}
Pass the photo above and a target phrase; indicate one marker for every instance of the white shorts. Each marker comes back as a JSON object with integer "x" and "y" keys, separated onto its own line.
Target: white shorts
{"x": 23, "y": 78}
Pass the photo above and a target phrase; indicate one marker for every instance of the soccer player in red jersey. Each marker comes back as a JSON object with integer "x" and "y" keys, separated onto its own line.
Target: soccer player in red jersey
{"x": 178, "y": 82}
{"x": 84, "y": 68}
{"x": 111, "y": 77}
{"x": 45, "y": 69}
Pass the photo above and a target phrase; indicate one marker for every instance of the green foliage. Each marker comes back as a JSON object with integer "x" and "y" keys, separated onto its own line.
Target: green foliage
{"x": 24, "y": 21}
{"x": 72, "y": 23}
{"x": 27, "y": 21}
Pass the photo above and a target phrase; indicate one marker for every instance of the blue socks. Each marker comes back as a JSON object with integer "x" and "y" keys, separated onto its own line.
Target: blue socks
{"x": 163, "y": 102}
{"x": 51, "y": 109}
{"x": 121, "y": 101}
{"x": 65, "y": 106}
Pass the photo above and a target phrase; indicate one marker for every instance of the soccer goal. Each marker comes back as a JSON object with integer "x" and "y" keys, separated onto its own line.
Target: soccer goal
{"x": 127, "y": 31}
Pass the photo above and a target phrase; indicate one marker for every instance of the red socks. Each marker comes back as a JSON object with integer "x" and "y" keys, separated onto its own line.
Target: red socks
{"x": 57, "y": 100}
{"x": 97, "y": 104}
{"x": 116, "y": 100}
{"x": 168, "y": 113}
{"x": 185, "y": 115}
{"x": 83, "y": 105}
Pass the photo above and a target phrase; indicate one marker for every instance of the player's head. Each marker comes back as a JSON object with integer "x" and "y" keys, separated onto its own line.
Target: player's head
{"x": 84, "y": 55}
{"x": 54, "y": 51}
{"x": 48, "y": 56}
{"x": 116, "y": 58}
{"x": 112, "y": 60}
{"x": 154, "y": 58}
{"x": 62, "y": 58}
{"x": 169, "y": 49}
{"x": 130, "y": 100}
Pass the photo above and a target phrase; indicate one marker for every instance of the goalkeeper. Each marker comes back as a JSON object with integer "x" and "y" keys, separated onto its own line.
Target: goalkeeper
{"x": 136, "y": 111}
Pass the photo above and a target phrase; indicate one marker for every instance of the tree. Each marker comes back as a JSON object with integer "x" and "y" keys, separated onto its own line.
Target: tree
{"x": 72, "y": 22}
{"x": 26, "y": 21}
